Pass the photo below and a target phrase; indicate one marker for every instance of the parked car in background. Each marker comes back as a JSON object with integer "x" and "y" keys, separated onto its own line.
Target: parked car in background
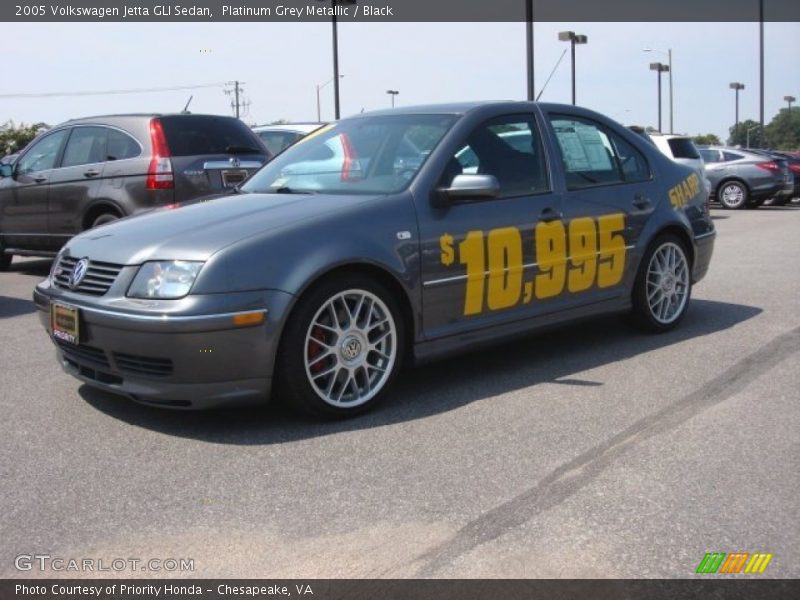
{"x": 679, "y": 148}
{"x": 745, "y": 179}
{"x": 87, "y": 172}
{"x": 791, "y": 190}
{"x": 279, "y": 137}
{"x": 9, "y": 159}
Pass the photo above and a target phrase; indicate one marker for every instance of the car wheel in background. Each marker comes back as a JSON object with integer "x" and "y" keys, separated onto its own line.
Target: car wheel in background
{"x": 732, "y": 194}
{"x": 5, "y": 259}
{"x": 341, "y": 348}
{"x": 663, "y": 285}
{"x": 104, "y": 219}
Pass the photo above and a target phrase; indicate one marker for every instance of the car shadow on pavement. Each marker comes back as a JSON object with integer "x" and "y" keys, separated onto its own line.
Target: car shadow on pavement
{"x": 14, "y": 307}
{"x": 553, "y": 357}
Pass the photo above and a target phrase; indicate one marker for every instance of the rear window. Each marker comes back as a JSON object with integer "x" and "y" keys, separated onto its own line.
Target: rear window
{"x": 729, "y": 156}
{"x": 683, "y": 148}
{"x": 194, "y": 135}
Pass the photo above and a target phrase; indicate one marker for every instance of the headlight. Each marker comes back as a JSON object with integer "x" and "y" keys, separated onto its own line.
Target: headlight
{"x": 164, "y": 279}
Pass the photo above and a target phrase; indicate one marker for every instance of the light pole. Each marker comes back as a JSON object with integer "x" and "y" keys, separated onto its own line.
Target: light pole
{"x": 669, "y": 63}
{"x": 392, "y": 93}
{"x": 659, "y": 68}
{"x": 319, "y": 87}
{"x": 736, "y": 86}
{"x": 529, "y": 48}
{"x": 789, "y": 100}
{"x": 335, "y": 37}
{"x": 572, "y": 38}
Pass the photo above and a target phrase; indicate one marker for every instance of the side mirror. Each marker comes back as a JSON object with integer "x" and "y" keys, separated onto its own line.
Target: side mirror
{"x": 467, "y": 188}
{"x": 6, "y": 170}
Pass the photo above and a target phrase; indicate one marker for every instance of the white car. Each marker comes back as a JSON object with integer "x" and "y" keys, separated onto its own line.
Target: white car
{"x": 681, "y": 149}
{"x": 279, "y": 137}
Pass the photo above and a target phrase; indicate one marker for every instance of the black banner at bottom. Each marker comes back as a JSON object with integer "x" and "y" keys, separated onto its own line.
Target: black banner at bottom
{"x": 393, "y": 589}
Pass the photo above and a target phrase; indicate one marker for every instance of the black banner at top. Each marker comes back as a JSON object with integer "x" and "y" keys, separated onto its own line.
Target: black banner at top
{"x": 366, "y": 11}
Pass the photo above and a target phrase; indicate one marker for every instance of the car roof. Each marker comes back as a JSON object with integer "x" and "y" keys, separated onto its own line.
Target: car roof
{"x": 298, "y": 127}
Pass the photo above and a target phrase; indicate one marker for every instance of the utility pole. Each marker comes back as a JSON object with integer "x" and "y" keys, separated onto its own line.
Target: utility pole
{"x": 236, "y": 92}
{"x": 529, "y": 49}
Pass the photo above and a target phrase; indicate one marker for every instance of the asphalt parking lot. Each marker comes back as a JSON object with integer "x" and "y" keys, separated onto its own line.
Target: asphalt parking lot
{"x": 591, "y": 451}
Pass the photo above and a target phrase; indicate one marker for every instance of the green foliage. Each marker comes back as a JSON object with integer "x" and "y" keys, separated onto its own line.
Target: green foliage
{"x": 783, "y": 132}
{"x": 739, "y": 135}
{"x": 14, "y": 138}
{"x": 708, "y": 139}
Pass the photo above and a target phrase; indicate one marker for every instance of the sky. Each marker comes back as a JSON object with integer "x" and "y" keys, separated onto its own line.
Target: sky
{"x": 282, "y": 63}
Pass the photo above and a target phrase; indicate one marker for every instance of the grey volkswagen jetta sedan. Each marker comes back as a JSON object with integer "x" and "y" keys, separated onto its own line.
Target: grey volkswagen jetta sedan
{"x": 321, "y": 285}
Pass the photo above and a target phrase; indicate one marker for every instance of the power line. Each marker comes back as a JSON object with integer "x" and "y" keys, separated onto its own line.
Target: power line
{"x": 112, "y": 92}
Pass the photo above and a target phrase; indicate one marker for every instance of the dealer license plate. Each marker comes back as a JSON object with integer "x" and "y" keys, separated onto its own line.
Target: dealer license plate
{"x": 232, "y": 178}
{"x": 65, "y": 323}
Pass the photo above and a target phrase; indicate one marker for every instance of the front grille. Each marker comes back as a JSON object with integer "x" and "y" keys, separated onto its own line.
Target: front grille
{"x": 84, "y": 355}
{"x": 98, "y": 279}
{"x": 143, "y": 365}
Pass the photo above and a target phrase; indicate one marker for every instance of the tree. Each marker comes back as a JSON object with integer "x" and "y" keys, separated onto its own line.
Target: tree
{"x": 739, "y": 135}
{"x": 708, "y": 139}
{"x": 783, "y": 132}
{"x": 14, "y": 138}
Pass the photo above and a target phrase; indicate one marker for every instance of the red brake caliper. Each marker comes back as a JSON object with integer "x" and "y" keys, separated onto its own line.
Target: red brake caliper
{"x": 315, "y": 349}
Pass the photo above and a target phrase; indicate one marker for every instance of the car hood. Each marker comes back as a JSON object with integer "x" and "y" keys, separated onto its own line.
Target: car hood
{"x": 199, "y": 230}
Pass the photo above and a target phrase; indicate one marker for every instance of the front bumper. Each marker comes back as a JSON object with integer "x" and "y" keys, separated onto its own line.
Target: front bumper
{"x": 190, "y": 361}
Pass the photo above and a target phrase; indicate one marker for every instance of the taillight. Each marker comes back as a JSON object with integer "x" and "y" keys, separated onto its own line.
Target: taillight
{"x": 794, "y": 168}
{"x": 351, "y": 169}
{"x": 159, "y": 174}
{"x": 770, "y": 166}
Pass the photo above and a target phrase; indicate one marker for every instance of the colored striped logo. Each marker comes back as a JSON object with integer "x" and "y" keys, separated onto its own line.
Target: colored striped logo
{"x": 735, "y": 562}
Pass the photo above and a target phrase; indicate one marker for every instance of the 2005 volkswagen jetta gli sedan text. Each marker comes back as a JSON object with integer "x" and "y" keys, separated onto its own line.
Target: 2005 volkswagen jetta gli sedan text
{"x": 389, "y": 237}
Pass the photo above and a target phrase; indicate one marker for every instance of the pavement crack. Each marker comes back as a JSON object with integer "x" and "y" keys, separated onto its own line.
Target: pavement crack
{"x": 571, "y": 477}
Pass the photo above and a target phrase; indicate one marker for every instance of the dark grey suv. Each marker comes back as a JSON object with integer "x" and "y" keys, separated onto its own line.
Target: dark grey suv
{"x": 87, "y": 172}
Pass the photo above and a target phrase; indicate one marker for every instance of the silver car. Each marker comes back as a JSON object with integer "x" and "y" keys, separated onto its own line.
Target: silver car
{"x": 740, "y": 178}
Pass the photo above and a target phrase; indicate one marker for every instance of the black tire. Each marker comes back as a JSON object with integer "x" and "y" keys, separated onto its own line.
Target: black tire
{"x": 732, "y": 195}
{"x": 5, "y": 259}
{"x": 648, "y": 314}
{"x": 779, "y": 201}
{"x": 340, "y": 351}
{"x": 104, "y": 218}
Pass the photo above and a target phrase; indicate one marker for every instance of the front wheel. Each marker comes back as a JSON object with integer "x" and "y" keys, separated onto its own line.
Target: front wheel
{"x": 341, "y": 348}
{"x": 663, "y": 285}
{"x": 732, "y": 194}
{"x": 104, "y": 219}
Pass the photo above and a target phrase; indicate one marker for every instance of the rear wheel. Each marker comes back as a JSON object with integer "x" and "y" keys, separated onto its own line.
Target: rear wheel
{"x": 341, "y": 348}
{"x": 663, "y": 285}
{"x": 732, "y": 194}
{"x": 104, "y": 218}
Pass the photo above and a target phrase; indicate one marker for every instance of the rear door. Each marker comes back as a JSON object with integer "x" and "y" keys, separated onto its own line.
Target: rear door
{"x": 75, "y": 182}
{"x": 23, "y": 196}
{"x": 610, "y": 195}
{"x": 210, "y": 154}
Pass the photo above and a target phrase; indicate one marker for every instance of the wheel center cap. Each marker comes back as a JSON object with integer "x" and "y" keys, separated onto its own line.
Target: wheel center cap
{"x": 668, "y": 284}
{"x": 350, "y": 348}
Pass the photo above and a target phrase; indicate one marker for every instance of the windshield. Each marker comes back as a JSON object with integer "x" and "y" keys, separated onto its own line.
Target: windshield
{"x": 367, "y": 155}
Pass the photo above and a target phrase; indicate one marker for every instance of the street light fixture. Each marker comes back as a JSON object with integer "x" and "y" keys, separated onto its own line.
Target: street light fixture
{"x": 392, "y": 93}
{"x": 668, "y": 54}
{"x": 737, "y": 86}
{"x": 572, "y": 38}
{"x": 789, "y": 100}
{"x": 659, "y": 68}
{"x": 319, "y": 87}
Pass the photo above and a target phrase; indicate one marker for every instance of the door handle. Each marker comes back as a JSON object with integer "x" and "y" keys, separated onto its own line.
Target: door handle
{"x": 91, "y": 173}
{"x": 641, "y": 202}
{"x": 550, "y": 214}
{"x": 40, "y": 179}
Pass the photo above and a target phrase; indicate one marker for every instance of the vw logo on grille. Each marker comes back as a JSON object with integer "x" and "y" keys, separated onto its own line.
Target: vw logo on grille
{"x": 78, "y": 273}
{"x": 235, "y": 162}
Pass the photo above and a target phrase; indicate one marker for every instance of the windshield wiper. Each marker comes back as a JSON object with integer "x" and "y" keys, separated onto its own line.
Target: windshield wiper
{"x": 288, "y": 190}
{"x": 233, "y": 149}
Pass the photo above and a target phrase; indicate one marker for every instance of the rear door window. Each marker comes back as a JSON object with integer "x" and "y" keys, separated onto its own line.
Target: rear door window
{"x": 683, "y": 148}
{"x": 86, "y": 145}
{"x": 192, "y": 135}
{"x": 729, "y": 156}
{"x": 710, "y": 156}
{"x": 121, "y": 146}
